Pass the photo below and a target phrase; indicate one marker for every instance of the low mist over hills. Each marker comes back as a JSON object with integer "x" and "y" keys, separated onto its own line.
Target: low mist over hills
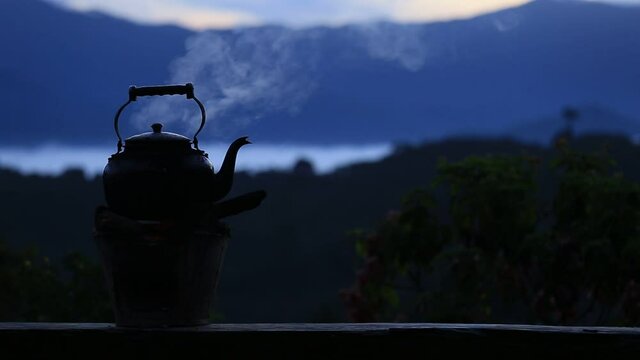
{"x": 63, "y": 75}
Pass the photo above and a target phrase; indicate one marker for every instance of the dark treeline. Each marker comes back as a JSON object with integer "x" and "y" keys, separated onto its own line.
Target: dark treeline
{"x": 289, "y": 259}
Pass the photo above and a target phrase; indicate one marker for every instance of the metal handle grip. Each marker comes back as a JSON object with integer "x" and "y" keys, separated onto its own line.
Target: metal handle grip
{"x": 186, "y": 89}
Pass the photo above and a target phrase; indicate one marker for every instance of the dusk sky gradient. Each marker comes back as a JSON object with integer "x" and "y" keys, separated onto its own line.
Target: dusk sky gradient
{"x": 202, "y": 14}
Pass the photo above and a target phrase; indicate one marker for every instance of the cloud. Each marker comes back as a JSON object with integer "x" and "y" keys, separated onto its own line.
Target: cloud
{"x": 340, "y": 12}
{"x": 200, "y": 14}
{"x": 618, "y": 2}
{"x": 430, "y": 10}
{"x": 194, "y": 16}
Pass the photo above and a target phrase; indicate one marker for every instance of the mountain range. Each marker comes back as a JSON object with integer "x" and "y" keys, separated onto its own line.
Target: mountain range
{"x": 63, "y": 74}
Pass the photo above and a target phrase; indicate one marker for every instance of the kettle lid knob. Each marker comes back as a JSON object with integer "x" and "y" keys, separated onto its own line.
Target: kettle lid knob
{"x": 157, "y": 128}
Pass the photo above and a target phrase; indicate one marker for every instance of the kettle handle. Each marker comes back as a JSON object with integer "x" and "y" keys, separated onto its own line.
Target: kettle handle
{"x": 135, "y": 92}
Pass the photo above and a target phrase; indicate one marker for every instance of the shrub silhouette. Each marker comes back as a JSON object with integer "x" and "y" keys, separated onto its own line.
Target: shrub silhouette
{"x": 37, "y": 289}
{"x": 499, "y": 254}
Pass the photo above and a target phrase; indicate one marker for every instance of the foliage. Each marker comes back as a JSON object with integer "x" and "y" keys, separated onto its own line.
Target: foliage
{"x": 35, "y": 289}
{"x": 499, "y": 254}
{"x": 298, "y": 235}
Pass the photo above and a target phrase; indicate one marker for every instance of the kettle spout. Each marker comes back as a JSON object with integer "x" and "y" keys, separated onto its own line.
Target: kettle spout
{"x": 223, "y": 180}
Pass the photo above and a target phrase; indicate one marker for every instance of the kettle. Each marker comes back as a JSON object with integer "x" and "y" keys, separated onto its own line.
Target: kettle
{"x": 160, "y": 175}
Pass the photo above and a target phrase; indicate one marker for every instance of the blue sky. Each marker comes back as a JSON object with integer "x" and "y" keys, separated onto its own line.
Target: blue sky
{"x": 200, "y": 14}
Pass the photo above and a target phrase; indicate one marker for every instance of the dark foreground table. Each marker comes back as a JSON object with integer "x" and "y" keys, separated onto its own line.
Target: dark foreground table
{"x": 315, "y": 341}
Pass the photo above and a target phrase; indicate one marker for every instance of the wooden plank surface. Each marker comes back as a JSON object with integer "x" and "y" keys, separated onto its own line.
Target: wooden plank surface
{"x": 322, "y": 327}
{"x": 315, "y": 341}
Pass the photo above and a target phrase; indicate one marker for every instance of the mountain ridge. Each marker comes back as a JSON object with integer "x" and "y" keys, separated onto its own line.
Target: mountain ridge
{"x": 67, "y": 73}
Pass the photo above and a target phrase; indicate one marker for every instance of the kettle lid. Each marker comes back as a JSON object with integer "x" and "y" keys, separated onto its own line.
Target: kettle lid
{"x": 157, "y": 139}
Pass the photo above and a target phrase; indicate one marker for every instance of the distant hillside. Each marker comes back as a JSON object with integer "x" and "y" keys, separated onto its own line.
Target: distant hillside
{"x": 63, "y": 74}
{"x": 590, "y": 120}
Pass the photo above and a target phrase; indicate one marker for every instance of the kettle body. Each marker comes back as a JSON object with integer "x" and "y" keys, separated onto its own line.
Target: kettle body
{"x": 161, "y": 175}
{"x": 158, "y": 183}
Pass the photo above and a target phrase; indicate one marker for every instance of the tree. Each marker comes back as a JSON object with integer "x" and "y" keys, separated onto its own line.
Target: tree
{"x": 487, "y": 251}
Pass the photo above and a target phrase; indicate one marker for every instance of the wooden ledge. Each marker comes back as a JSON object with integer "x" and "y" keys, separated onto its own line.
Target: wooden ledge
{"x": 315, "y": 341}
